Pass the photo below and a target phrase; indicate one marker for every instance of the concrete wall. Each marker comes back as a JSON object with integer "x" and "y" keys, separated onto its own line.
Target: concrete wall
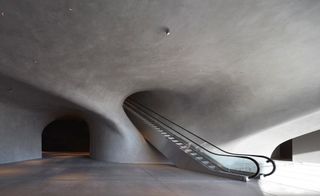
{"x": 224, "y": 119}
{"x": 110, "y": 144}
{"x": 20, "y": 134}
{"x": 306, "y": 148}
{"x": 25, "y": 111}
{"x": 243, "y": 74}
{"x": 21, "y": 129}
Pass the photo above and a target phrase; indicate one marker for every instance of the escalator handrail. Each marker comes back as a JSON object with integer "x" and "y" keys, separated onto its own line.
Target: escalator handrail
{"x": 268, "y": 160}
{"x": 225, "y": 155}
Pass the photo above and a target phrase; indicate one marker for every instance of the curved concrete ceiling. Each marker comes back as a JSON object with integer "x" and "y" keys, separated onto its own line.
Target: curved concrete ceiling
{"x": 229, "y": 69}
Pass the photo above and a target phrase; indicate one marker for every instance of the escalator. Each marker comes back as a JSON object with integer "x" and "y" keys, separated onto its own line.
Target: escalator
{"x": 189, "y": 151}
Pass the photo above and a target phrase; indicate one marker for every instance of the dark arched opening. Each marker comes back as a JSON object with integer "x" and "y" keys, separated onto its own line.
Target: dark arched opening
{"x": 283, "y": 152}
{"x": 66, "y": 135}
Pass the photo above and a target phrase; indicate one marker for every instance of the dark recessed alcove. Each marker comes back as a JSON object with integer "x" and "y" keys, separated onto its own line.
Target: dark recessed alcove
{"x": 66, "y": 135}
{"x": 283, "y": 151}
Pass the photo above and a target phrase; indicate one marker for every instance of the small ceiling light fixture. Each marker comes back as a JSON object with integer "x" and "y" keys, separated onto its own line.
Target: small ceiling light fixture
{"x": 167, "y": 30}
{"x": 2, "y": 14}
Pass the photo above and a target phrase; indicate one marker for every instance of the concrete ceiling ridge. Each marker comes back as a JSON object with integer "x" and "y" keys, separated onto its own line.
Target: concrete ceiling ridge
{"x": 33, "y": 97}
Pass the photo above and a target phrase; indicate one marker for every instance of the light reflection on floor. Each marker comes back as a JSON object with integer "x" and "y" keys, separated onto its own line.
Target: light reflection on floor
{"x": 12, "y": 172}
{"x": 293, "y": 179}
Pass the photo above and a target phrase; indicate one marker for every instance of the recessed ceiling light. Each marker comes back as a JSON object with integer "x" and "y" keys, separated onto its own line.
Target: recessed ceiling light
{"x": 167, "y": 30}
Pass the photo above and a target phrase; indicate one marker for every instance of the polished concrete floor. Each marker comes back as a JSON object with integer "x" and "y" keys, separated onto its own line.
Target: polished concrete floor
{"x": 76, "y": 174}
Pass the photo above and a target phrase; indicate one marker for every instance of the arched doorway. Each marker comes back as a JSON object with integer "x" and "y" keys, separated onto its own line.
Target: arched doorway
{"x": 283, "y": 152}
{"x": 304, "y": 148}
{"x": 66, "y": 135}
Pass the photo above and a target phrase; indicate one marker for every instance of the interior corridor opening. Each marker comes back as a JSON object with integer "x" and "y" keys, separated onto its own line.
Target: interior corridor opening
{"x": 283, "y": 152}
{"x": 66, "y": 136}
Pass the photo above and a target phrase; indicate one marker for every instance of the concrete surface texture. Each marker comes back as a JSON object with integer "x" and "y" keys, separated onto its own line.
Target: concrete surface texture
{"x": 76, "y": 174}
{"x": 243, "y": 74}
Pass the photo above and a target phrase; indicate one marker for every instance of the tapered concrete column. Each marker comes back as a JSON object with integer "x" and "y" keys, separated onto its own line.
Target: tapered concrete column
{"x": 120, "y": 143}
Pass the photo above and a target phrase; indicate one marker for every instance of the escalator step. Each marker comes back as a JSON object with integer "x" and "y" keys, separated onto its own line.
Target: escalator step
{"x": 199, "y": 158}
{"x": 193, "y": 154}
{"x": 175, "y": 141}
{"x": 211, "y": 166}
{"x": 188, "y": 150}
{"x": 205, "y": 162}
{"x": 167, "y": 135}
{"x": 163, "y": 133}
{"x": 179, "y": 144}
{"x": 171, "y": 138}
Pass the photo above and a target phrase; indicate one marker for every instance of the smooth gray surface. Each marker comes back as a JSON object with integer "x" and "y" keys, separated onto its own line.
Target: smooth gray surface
{"x": 18, "y": 144}
{"x": 243, "y": 74}
{"x": 26, "y": 111}
{"x": 306, "y": 148}
{"x": 76, "y": 174}
{"x": 69, "y": 175}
